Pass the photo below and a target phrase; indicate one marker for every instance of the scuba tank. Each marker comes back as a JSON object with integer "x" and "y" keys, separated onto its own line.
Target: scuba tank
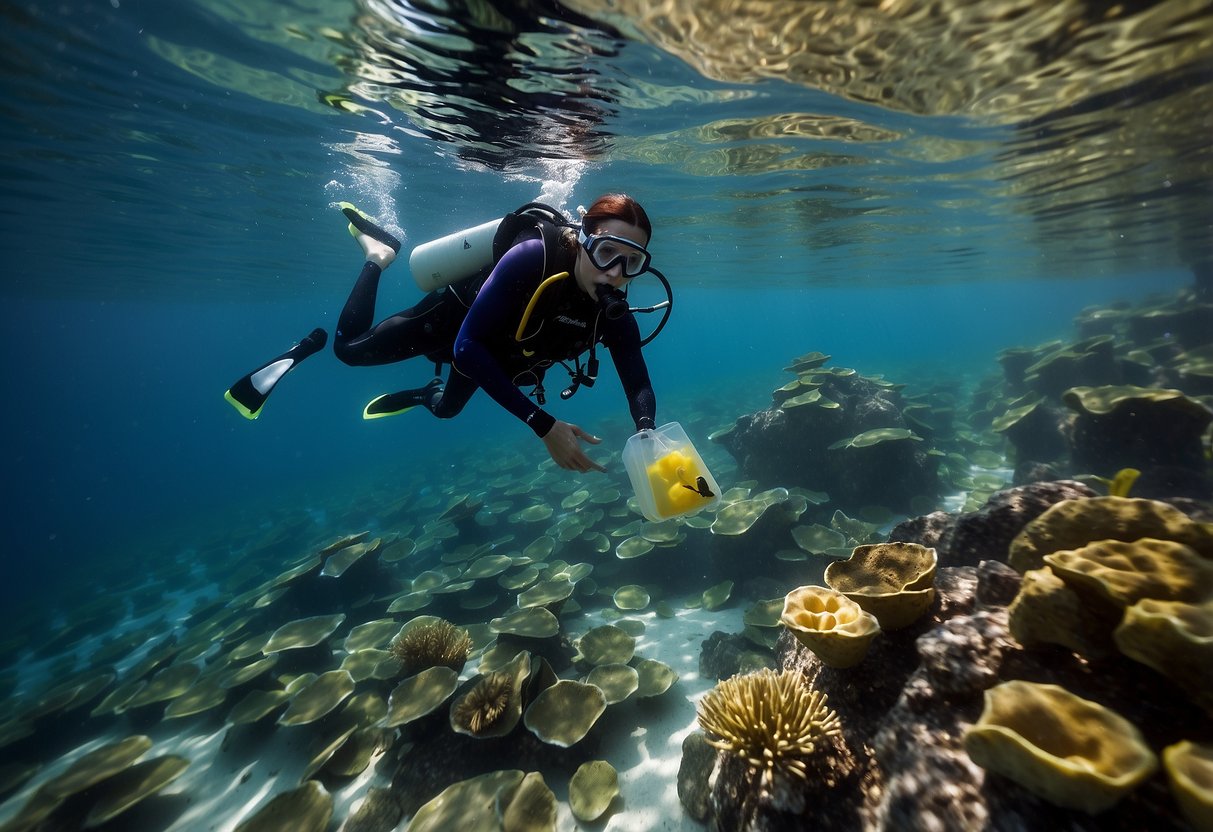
{"x": 466, "y": 253}
{"x": 454, "y": 257}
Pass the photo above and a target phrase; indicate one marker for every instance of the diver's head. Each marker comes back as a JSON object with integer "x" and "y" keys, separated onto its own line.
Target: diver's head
{"x": 614, "y": 235}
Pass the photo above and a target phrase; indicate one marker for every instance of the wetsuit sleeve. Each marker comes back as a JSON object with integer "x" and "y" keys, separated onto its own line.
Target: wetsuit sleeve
{"x": 622, "y": 338}
{"x": 494, "y": 317}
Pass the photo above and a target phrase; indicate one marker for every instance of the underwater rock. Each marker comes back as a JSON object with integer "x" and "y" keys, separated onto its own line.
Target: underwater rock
{"x": 1188, "y": 324}
{"x": 694, "y": 775}
{"x": 724, "y": 654}
{"x": 1176, "y": 485}
{"x": 997, "y": 584}
{"x": 1137, "y": 427}
{"x": 817, "y": 445}
{"x": 1029, "y": 471}
{"x": 1034, "y": 427}
{"x": 1091, "y": 361}
{"x": 985, "y": 534}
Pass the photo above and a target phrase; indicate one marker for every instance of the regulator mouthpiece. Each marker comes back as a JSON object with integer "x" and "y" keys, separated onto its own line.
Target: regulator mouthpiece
{"x": 612, "y": 302}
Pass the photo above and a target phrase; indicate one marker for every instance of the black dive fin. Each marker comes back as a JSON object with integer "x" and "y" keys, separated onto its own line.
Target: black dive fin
{"x": 360, "y": 223}
{"x": 248, "y": 395}
{"x": 393, "y": 404}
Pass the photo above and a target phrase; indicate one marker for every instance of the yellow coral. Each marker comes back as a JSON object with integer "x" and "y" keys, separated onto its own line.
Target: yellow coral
{"x": 1190, "y": 772}
{"x": 1072, "y": 524}
{"x": 1068, "y": 750}
{"x": 1124, "y": 573}
{"x": 1174, "y": 638}
{"x": 771, "y": 720}
{"x": 1046, "y": 611}
{"x": 892, "y": 581}
{"x": 833, "y": 626}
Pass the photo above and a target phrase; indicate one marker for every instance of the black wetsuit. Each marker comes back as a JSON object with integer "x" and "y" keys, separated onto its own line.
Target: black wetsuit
{"x": 478, "y": 339}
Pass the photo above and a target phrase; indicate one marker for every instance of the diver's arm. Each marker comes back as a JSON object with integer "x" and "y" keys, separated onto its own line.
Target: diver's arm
{"x": 495, "y": 311}
{"x": 623, "y": 340}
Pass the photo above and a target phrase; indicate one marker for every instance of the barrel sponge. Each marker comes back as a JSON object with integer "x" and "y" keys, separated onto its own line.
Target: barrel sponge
{"x": 892, "y": 581}
{"x": 1174, "y": 638}
{"x": 1123, "y": 573}
{"x": 1067, "y": 750}
{"x": 1047, "y": 611}
{"x": 1072, "y": 524}
{"x": 1189, "y": 769}
{"x": 833, "y": 626}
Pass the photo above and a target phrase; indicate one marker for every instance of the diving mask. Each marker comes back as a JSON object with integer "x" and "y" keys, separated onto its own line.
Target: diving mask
{"x": 606, "y": 250}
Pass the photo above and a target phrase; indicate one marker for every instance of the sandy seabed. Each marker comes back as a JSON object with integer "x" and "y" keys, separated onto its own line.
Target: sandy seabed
{"x": 229, "y": 779}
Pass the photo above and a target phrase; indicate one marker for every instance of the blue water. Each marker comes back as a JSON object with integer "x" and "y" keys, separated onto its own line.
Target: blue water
{"x": 169, "y": 173}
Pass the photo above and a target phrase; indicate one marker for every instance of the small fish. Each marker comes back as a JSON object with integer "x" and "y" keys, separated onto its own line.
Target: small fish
{"x": 700, "y": 487}
{"x": 1121, "y": 484}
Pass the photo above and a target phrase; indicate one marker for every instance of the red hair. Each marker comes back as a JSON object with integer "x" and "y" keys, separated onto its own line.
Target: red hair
{"x": 616, "y": 207}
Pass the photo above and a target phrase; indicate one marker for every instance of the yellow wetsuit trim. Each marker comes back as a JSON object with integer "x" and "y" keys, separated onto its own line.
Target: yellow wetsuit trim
{"x": 530, "y": 307}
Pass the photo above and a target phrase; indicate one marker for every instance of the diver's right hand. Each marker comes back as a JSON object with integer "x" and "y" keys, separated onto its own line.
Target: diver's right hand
{"x": 564, "y": 447}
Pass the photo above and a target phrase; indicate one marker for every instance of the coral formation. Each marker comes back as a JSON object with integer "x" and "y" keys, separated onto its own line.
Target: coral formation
{"x": 1070, "y": 751}
{"x": 484, "y": 704}
{"x": 1033, "y": 428}
{"x": 606, "y": 645}
{"x": 1047, "y": 611}
{"x": 1121, "y": 426}
{"x": 1189, "y": 768}
{"x": 833, "y": 626}
{"x": 834, "y": 430}
{"x": 1075, "y": 523}
{"x": 1174, "y": 638}
{"x": 565, "y": 712}
{"x": 773, "y": 721}
{"x": 892, "y": 581}
{"x": 594, "y": 785}
{"x": 492, "y": 705}
{"x": 1123, "y": 573}
{"x": 435, "y": 643}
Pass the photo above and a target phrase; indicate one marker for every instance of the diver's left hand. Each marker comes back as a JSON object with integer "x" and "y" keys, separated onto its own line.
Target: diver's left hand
{"x": 564, "y": 447}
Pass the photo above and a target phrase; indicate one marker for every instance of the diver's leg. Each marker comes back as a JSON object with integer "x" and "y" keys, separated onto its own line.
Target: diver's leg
{"x": 448, "y": 400}
{"x": 416, "y": 331}
{"x": 358, "y": 314}
{"x": 248, "y": 395}
{"x": 443, "y": 400}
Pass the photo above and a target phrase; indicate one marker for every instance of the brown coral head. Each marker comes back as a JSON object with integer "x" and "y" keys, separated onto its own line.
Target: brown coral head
{"x": 484, "y": 704}
{"x": 437, "y": 643}
{"x": 771, "y": 720}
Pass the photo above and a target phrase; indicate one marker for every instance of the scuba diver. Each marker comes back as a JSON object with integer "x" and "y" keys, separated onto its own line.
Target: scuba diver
{"x": 551, "y": 291}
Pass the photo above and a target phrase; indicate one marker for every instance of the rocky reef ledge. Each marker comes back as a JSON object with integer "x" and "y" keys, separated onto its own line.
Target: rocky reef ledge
{"x": 900, "y": 761}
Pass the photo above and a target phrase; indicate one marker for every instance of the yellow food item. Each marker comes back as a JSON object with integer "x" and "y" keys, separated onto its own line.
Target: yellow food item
{"x": 672, "y": 479}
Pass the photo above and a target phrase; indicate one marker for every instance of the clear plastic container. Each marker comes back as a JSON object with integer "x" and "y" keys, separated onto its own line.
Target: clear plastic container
{"x": 668, "y": 475}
